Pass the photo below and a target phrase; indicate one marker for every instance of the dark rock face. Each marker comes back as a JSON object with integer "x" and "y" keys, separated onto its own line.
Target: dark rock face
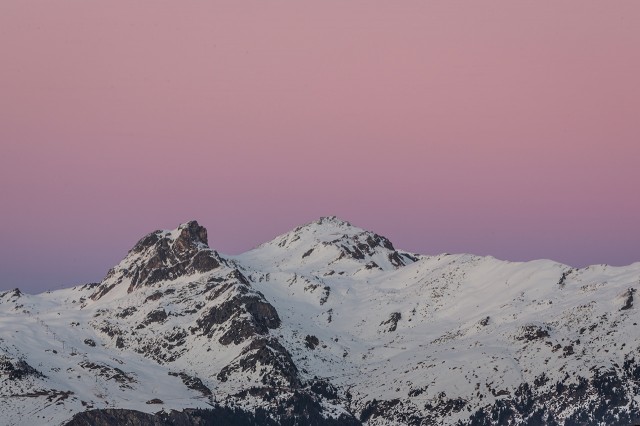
{"x": 563, "y": 279}
{"x": 17, "y": 369}
{"x": 377, "y": 408}
{"x": 167, "y": 265}
{"x": 365, "y": 244}
{"x": 161, "y": 257}
{"x": 376, "y": 240}
{"x": 103, "y": 289}
{"x": 109, "y": 373}
{"x": 192, "y": 232}
{"x": 114, "y": 417}
{"x": 15, "y": 293}
{"x": 371, "y": 243}
{"x": 532, "y": 332}
{"x": 265, "y": 352}
{"x": 247, "y": 313}
{"x": 204, "y": 261}
{"x": 628, "y": 299}
{"x": 311, "y": 342}
{"x": 193, "y": 383}
{"x": 159, "y": 315}
{"x": 298, "y": 410}
{"x": 605, "y": 398}
{"x": 153, "y": 297}
{"x": 127, "y": 312}
{"x": 395, "y": 259}
{"x": 323, "y": 388}
{"x": 392, "y": 322}
{"x": 397, "y": 411}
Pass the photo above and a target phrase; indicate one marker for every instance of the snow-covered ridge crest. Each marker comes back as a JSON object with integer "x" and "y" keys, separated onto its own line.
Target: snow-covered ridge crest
{"x": 162, "y": 256}
{"x": 332, "y": 243}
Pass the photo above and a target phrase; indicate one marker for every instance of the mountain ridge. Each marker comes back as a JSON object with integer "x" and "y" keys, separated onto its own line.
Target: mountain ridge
{"x": 327, "y": 321}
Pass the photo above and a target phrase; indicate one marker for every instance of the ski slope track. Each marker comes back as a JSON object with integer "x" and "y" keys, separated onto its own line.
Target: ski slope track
{"x": 327, "y": 324}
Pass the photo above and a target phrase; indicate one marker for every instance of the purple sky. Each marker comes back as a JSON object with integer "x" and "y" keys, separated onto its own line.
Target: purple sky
{"x": 502, "y": 128}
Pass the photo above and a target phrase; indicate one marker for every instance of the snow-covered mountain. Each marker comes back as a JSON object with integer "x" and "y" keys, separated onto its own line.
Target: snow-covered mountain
{"x": 327, "y": 324}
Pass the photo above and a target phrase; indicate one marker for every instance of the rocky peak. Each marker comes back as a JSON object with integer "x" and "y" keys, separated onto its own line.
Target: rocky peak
{"x": 192, "y": 232}
{"x": 163, "y": 256}
{"x": 187, "y": 235}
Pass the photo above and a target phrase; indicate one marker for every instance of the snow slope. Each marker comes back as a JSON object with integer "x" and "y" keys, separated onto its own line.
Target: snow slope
{"x": 334, "y": 312}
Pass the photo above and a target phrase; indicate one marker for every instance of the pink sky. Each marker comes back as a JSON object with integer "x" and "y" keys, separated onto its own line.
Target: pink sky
{"x": 502, "y": 128}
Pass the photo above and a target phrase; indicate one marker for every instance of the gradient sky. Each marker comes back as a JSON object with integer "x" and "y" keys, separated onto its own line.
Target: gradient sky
{"x": 499, "y": 127}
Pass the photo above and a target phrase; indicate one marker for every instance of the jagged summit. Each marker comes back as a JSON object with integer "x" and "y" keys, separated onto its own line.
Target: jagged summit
{"x": 188, "y": 233}
{"x": 163, "y": 255}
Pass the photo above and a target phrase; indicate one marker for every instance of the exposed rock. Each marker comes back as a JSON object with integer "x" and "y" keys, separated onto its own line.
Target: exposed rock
{"x": 311, "y": 342}
{"x": 17, "y": 369}
{"x": 160, "y": 256}
{"x": 392, "y": 322}
{"x": 154, "y": 296}
{"x": 532, "y": 332}
{"x": 326, "y": 291}
{"x": 191, "y": 233}
{"x": 297, "y": 410}
{"x": 109, "y": 417}
{"x": 51, "y": 395}
{"x": 627, "y": 298}
{"x": 323, "y": 388}
{"x": 372, "y": 265}
{"x": 265, "y": 352}
{"x": 193, "y": 383}
{"x": 159, "y": 315}
{"x": 601, "y": 400}
{"x": 375, "y": 408}
{"x": 127, "y": 312}
{"x": 15, "y": 293}
{"x": 365, "y": 244}
{"x": 249, "y": 315}
{"x": 568, "y": 350}
{"x": 442, "y": 406}
{"x": 205, "y": 261}
{"x": 109, "y": 373}
{"x": 325, "y": 294}
{"x": 563, "y": 278}
{"x": 396, "y": 260}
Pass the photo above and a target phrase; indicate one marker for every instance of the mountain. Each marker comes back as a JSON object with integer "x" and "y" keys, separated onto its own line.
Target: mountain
{"x": 326, "y": 324}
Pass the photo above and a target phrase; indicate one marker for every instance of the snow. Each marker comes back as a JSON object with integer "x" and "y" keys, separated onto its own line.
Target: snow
{"x": 439, "y": 343}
